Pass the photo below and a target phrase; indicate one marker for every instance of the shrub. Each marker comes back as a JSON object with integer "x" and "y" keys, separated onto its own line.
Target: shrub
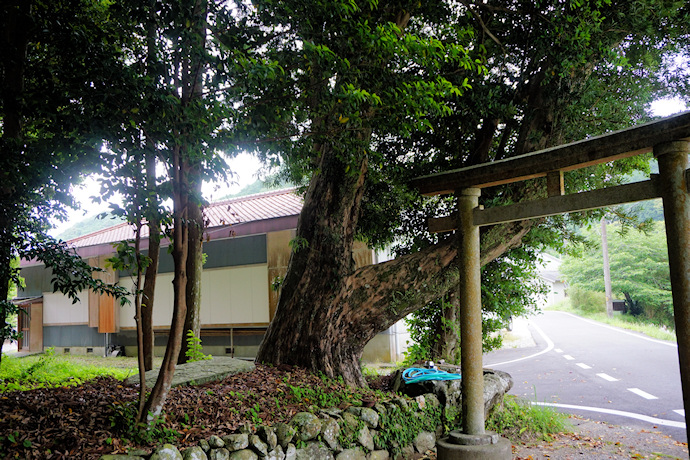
{"x": 587, "y": 301}
{"x": 519, "y": 420}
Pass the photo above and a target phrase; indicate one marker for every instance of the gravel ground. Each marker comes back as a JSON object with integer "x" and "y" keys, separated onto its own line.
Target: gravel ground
{"x": 598, "y": 440}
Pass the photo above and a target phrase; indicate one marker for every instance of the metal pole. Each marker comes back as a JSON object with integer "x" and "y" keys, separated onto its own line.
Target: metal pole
{"x": 469, "y": 295}
{"x": 673, "y": 163}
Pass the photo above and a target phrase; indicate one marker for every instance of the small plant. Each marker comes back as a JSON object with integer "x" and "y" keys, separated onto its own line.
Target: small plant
{"x": 518, "y": 419}
{"x": 277, "y": 283}
{"x": 298, "y": 243}
{"x": 253, "y": 413}
{"x": 125, "y": 422}
{"x": 194, "y": 349}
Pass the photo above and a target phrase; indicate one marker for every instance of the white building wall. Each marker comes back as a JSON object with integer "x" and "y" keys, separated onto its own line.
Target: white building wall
{"x": 229, "y": 295}
{"x": 58, "y": 309}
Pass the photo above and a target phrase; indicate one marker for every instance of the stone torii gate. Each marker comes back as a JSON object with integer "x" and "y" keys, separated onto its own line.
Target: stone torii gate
{"x": 668, "y": 138}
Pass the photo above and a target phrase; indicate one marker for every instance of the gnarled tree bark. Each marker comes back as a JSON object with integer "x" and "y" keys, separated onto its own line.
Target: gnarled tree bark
{"x": 328, "y": 311}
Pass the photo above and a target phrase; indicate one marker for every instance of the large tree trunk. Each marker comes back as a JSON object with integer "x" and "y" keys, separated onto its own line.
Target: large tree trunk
{"x": 327, "y": 311}
{"x": 304, "y": 331}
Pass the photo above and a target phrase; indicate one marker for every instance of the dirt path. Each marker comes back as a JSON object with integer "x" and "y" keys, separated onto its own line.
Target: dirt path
{"x": 598, "y": 440}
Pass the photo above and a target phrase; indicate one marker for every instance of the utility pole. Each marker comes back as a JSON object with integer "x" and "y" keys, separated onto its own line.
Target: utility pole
{"x": 607, "y": 269}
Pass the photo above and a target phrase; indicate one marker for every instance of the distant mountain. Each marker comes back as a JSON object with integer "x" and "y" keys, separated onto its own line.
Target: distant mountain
{"x": 258, "y": 186}
{"x": 89, "y": 225}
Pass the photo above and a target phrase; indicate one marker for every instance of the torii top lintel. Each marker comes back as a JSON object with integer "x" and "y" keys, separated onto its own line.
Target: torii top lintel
{"x": 600, "y": 149}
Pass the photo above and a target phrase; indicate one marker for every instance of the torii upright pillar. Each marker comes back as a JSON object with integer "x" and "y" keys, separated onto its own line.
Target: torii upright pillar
{"x": 470, "y": 296}
{"x": 472, "y": 443}
{"x": 675, "y": 192}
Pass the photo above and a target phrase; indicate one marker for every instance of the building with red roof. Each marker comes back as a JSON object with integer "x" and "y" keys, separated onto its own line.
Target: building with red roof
{"x": 246, "y": 243}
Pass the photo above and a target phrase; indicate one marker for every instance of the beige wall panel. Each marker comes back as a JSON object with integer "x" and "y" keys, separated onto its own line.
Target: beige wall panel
{"x": 36, "y": 327}
{"x": 162, "y": 308}
{"x": 278, "y": 257}
{"x": 278, "y": 247}
{"x": 216, "y": 296}
{"x": 93, "y": 297}
{"x": 163, "y": 301}
{"x": 248, "y": 299}
{"x": 229, "y": 295}
{"x": 241, "y": 301}
{"x": 260, "y": 308}
{"x": 58, "y": 309}
{"x": 127, "y": 311}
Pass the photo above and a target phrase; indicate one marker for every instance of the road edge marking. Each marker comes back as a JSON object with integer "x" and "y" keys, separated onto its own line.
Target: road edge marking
{"x": 622, "y": 331}
{"x": 644, "y": 418}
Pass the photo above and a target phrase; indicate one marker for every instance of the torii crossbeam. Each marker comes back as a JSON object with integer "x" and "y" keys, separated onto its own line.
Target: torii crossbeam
{"x": 668, "y": 138}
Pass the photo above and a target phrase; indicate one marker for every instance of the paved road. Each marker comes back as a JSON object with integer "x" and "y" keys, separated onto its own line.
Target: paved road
{"x": 598, "y": 371}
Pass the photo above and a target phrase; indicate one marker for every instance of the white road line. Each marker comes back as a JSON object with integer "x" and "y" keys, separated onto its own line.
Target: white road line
{"x": 607, "y": 377}
{"x": 622, "y": 331}
{"x": 549, "y": 347}
{"x": 641, "y": 393}
{"x": 568, "y": 357}
{"x": 644, "y": 418}
{"x": 558, "y": 350}
{"x": 680, "y": 412}
{"x": 583, "y": 365}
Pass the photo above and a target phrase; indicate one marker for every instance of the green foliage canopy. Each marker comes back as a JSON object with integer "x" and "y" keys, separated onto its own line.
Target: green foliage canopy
{"x": 59, "y": 63}
{"x": 639, "y": 268}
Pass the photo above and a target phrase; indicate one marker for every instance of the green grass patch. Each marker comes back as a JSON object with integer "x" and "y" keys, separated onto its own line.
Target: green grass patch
{"x": 629, "y": 322}
{"x": 47, "y": 370}
{"x": 521, "y": 421}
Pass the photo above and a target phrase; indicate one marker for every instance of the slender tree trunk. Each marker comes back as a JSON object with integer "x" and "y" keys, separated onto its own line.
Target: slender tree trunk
{"x": 138, "y": 320}
{"x": 191, "y": 71}
{"x": 447, "y": 343}
{"x": 159, "y": 393}
{"x": 5, "y": 277}
{"x": 148, "y": 295}
{"x": 195, "y": 220}
{"x": 195, "y": 230}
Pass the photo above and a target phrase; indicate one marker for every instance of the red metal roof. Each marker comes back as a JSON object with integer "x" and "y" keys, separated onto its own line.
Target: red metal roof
{"x": 252, "y": 208}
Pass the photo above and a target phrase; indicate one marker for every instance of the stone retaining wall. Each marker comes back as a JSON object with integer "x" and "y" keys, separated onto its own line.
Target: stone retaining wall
{"x": 394, "y": 429}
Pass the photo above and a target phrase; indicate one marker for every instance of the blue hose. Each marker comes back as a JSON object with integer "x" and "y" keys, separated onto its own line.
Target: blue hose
{"x": 415, "y": 374}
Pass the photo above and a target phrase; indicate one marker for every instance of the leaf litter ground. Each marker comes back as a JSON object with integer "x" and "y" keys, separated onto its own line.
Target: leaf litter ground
{"x": 76, "y": 422}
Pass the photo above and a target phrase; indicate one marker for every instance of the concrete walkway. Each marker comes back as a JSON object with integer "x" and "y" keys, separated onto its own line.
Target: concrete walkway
{"x": 199, "y": 372}
{"x": 519, "y": 336}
